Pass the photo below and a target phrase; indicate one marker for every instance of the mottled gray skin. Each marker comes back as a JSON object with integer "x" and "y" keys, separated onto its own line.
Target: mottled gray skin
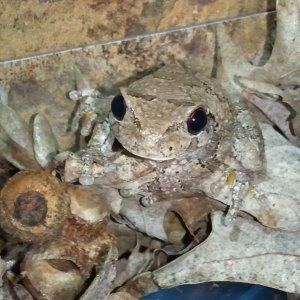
{"x": 158, "y": 106}
{"x": 163, "y": 159}
{"x": 154, "y": 128}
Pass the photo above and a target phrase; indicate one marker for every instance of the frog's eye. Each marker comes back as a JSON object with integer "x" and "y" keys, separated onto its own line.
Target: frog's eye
{"x": 118, "y": 107}
{"x": 196, "y": 121}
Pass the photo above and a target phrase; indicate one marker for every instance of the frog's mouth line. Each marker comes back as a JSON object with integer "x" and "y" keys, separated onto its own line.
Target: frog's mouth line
{"x": 118, "y": 147}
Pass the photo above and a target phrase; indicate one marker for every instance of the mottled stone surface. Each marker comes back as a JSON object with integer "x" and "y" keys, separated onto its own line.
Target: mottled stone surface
{"x": 40, "y": 84}
{"x": 35, "y": 26}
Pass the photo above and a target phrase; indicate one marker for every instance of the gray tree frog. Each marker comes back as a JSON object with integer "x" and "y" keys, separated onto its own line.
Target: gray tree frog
{"x": 180, "y": 136}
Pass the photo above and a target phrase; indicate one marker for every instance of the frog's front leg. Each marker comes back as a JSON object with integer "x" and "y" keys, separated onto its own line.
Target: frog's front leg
{"x": 87, "y": 164}
{"x": 248, "y": 154}
{"x": 88, "y": 110}
{"x": 102, "y": 141}
{"x": 239, "y": 188}
{"x": 247, "y": 157}
{"x": 88, "y": 114}
{"x": 82, "y": 166}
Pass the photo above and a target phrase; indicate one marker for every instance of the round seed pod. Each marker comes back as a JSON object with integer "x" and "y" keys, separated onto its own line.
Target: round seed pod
{"x": 58, "y": 269}
{"x": 33, "y": 206}
{"x": 52, "y": 279}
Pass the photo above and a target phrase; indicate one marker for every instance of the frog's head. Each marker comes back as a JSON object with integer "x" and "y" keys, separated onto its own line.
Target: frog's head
{"x": 162, "y": 118}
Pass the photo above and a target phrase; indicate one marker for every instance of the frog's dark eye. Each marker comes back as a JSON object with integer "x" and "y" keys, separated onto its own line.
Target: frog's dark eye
{"x": 118, "y": 107}
{"x": 196, "y": 121}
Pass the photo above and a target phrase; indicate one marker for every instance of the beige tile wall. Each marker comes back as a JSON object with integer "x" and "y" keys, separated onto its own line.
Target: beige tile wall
{"x": 35, "y": 26}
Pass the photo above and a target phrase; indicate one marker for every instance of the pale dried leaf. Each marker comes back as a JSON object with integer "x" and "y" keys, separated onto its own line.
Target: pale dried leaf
{"x": 125, "y": 237}
{"x": 3, "y": 269}
{"x": 21, "y": 292}
{"x": 137, "y": 262}
{"x": 280, "y": 203}
{"x": 236, "y": 253}
{"x": 18, "y": 156}
{"x": 265, "y": 89}
{"x": 283, "y": 113}
{"x": 277, "y": 112}
{"x": 101, "y": 286}
{"x": 15, "y": 142}
{"x": 174, "y": 227}
{"x": 193, "y": 210}
{"x": 122, "y": 296}
{"x": 4, "y": 90}
{"x": 233, "y": 62}
{"x": 291, "y": 78}
{"x": 5, "y": 292}
{"x": 147, "y": 219}
{"x": 45, "y": 145}
{"x": 140, "y": 286}
{"x": 286, "y": 50}
{"x": 153, "y": 220}
{"x": 284, "y": 60}
{"x": 15, "y": 127}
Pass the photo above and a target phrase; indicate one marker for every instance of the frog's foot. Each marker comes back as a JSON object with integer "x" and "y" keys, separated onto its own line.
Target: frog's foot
{"x": 86, "y": 113}
{"x": 239, "y": 191}
{"x": 102, "y": 142}
{"x": 81, "y": 166}
{"x": 62, "y": 156}
{"x": 147, "y": 199}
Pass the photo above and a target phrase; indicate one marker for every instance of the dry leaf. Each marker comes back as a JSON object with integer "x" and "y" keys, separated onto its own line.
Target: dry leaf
{"x": 101, "y": 286}
{"x": 232, "y": 253}
{"x": 45, "y": 145}
{"x": 236, "y": 253}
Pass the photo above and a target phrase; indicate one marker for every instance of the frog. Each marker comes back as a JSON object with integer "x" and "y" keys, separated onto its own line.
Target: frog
{"x": 172, "y": 133}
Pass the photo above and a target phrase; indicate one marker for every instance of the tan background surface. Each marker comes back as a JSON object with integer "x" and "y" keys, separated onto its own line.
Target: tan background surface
{"x": 31, "y": 27}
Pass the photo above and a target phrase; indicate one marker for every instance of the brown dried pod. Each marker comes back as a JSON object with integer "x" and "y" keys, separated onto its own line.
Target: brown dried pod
{"x": 89, "y": 243}
{"x": 58, "y": 269}
{"x": 33, "y": 206}
{"x": 58, "y": 279}
{"x": 88, "y": 205}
